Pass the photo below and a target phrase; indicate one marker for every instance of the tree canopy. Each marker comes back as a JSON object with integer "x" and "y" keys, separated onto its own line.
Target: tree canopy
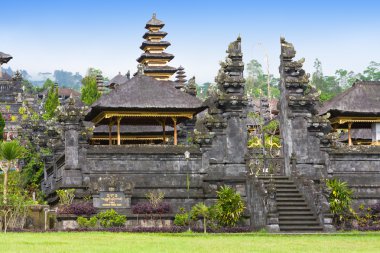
{"x": 89, "y": 88}
{"x": 51, "y": 103}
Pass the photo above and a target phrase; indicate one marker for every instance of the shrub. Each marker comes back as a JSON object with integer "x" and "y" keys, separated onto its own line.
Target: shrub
{"x": 87, "y": 223}
{"x": 230, "y": 206}
{"x": 340, "y": 199}
{"x": 79, "y": 208}
{"x": 155, "y": 197}
{"x": 66, "y": 196}
{"x": 202, "y": 210}
{"x": 111, "y": 218}
{"x": 182, "y": 218}
{"x": 148, "y": 208}
{"x": 375, "y": 209}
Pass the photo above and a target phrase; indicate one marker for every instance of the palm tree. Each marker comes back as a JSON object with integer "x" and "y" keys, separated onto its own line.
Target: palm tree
{"x": 201, "y": 209}
{"x": 9, "y": 153}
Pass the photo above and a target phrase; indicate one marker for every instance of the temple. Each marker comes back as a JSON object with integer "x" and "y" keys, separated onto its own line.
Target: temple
{"x": 147, "y": 133}
{"x": 154, "y": 59}
{"x": 356, "y": 108}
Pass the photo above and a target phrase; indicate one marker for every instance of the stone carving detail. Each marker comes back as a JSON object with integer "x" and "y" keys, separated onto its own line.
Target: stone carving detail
{"x": 112, "y": 184}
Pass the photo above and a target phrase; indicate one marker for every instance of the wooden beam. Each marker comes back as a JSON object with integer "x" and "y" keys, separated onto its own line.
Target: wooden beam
{"x": 349, "y": 134}
{"x": 175, "y": 130}
{"x": 164, "y": 131}
{"x": 118, "y": 130}
{"x": 110, "y": 135}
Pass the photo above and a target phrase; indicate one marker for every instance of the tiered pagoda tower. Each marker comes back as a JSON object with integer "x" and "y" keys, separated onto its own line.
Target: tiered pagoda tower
{"x": 154, "y": 59}
{"x": 180, "y": 78}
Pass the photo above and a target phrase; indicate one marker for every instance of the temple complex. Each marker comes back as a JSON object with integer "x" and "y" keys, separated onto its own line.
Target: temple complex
{"x": 146, "y": 133}
{"x": 154, "y": 59}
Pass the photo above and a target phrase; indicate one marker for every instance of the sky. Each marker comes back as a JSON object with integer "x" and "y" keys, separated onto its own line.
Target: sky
{"x": 73, "y": 35}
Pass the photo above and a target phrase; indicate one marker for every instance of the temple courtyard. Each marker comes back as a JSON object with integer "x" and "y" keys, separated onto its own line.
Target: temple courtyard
{"x": 74, "y": 242}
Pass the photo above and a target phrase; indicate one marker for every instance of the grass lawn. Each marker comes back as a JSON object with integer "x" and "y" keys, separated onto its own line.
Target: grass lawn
{"x": 95, "y": 242}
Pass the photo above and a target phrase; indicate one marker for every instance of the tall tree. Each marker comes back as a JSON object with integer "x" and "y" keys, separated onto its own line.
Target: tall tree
{"x": 327, "y": 85}
{"x": 2, "y": 125}
{"x": 257, "y": 82}
{"x": 345, "y": 78}
{"x": 372, "y": 72}
{"x": 48, "y": 84}
{"x": 51, "y": 103}
{"x": 9, "y": 153}
{"x": 89, "y": 88}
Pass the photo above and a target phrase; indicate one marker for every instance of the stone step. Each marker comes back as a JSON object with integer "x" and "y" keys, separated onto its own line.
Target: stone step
{"x": 286, "y": 199}
{"x": 283, "y": 185}
{"x": 296, "y": 218}
{"x": 293, "y": 213}
{"x": 300, "y": 228}
{"x": 286, "y": 190}
{"x": 293, "y": 208}
{"x": 274, "y": 177}
{"x": 279, "y": 182}
{"x": 289, "y": 195}
{"x": 298, "y": 222}
{"x": 290, "y": 204}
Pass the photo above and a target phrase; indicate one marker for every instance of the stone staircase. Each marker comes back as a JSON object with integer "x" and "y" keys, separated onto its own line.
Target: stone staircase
{"x": 293, "y": 211}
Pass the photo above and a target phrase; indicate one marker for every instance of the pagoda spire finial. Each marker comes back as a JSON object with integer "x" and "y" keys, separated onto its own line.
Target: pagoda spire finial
{"x": 154, "y": 59}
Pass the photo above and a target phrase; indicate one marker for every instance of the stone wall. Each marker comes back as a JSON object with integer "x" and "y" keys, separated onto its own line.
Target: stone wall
{"x": 360, "y": 167}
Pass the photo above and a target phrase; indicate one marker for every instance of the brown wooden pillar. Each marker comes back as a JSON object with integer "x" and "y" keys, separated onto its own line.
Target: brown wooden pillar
{"x": 118, "y": 130}
{"x": 164, "y": 130}
{"x": 175, "y": 130}
{"x": 110, "y": 134}
{"x": 349, "y": 134}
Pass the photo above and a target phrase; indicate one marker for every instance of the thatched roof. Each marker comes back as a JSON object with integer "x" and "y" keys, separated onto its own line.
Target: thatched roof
{"x": 362, "y": 99}
{"x": 4, "y": 58}
{"x": 119, "y": 79}
{"x": 154, "y": 22}
{"x": 142, "y": 93}
{"x": 67, "y": 92}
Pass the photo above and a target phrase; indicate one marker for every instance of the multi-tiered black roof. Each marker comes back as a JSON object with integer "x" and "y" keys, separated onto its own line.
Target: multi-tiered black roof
{"x": 154, "y": 58}
{"x": 180, "y": 78}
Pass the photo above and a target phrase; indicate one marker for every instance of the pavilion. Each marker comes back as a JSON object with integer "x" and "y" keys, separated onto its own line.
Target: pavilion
{"x": 358, "y": 107}
{"x": 144, "y": 101}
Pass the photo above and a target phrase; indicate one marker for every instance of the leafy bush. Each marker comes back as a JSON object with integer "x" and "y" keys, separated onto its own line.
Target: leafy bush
{"x": 375, "y": 209}
{"x": 155, "y": 198}
{"x": 148, "y": 208}
{"x": 182, "y": 218}
{"x": 111, "y": 218}
{"x": 79, "y": 208}
{"x": 230, "y": 206}
{"x": 87, "y": 223}
{"x": 202, "y": 210}
{"x": 66, "y": 196}
{"x": 340, "y": 199}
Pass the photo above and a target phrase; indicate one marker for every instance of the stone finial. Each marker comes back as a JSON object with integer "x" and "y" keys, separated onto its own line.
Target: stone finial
{"x": 140, "y": 69}
{"x": 191, "y": 87}
{"x": 128, "y": 75}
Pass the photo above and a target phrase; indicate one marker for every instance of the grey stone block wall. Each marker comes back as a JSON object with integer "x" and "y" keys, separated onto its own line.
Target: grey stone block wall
{"x": 362, "y": 173}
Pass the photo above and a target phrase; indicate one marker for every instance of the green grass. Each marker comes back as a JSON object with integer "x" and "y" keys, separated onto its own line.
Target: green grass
{"x": 95, "y": 242}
